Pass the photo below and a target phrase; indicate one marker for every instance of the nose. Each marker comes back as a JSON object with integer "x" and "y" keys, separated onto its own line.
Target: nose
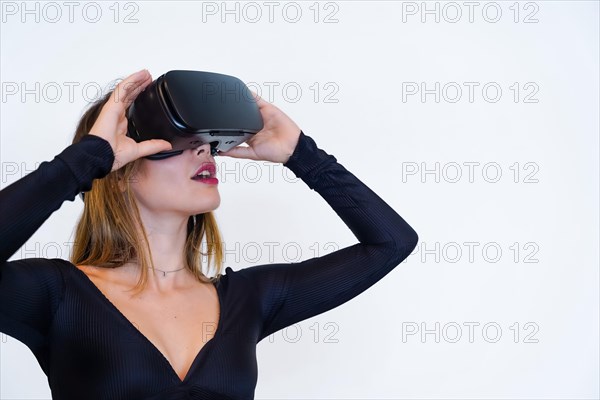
{"x": 207, "y": 148}
{"x": 203, "y": 149}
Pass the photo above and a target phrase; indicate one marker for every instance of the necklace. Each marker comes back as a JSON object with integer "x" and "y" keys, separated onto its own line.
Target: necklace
{"x": 166, "y": 272}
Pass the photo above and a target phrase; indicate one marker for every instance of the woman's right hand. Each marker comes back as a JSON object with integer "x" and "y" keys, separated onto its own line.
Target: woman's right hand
{"x": 111, "y": 124}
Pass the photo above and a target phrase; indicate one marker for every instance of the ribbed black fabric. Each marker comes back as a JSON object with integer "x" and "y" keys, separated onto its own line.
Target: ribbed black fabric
{"x": 89, "y": 350}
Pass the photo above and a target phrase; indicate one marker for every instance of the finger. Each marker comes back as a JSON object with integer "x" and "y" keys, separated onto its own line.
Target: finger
{"x": 135, "y": 88}
{"x": 259, "y": 100}
{"x": 152, "y": 146}
{"x": 128, "y": 89}
{"x": 133, "y": 85}
{"x": 239, "y": 152}
{"x": 122, "y": 125}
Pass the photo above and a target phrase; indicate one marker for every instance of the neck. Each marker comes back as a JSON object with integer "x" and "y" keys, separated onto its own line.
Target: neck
{"x": 166, "y": 235}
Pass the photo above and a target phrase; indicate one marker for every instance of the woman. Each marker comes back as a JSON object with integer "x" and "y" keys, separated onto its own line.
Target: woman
{"x": 180, "y": 334}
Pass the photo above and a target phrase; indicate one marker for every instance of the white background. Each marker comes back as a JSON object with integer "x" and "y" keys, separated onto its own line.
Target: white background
{"x": 544, "y": 219}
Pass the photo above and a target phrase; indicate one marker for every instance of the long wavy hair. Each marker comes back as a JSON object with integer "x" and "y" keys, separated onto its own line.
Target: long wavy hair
{"x": 107, "y": 233}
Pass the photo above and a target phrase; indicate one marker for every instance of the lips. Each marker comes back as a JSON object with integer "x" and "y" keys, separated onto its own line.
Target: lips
{"x": 207, "y": 166}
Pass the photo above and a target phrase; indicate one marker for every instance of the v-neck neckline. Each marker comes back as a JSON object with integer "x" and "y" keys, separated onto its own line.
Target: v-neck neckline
{"x": 147, "y": 341}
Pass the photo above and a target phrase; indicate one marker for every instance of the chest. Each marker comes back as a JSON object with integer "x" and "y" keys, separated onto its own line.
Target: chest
{"x": 178, "y": 325}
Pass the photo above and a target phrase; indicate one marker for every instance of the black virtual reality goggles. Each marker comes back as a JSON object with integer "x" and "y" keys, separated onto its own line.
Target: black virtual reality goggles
{"x": 192, "y": 108}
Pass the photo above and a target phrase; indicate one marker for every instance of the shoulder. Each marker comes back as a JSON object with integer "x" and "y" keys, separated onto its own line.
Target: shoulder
{"x": 89, "y": 270}
{"x": 262, "y": 282}
{"x": 34, "y": 276}
{"x": 235, "y": 283}
{"x": 44, "y": 270}
{"x": 37, "y": 266}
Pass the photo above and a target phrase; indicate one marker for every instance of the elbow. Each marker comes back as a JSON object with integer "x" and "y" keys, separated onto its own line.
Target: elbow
{"x": 414, "y": 241}
{"x": 405, "y": 244}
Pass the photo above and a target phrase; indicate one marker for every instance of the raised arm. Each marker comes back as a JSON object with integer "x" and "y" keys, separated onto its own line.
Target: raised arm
{"x": 289, "y": 293}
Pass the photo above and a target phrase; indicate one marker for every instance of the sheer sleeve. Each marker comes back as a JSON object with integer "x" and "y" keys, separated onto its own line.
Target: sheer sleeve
{"x": 31, "y": 289}
{"x": 289, "y": 293}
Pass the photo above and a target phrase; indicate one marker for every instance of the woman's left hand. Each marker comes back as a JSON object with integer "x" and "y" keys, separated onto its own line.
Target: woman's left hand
{"x": 275, "y": 142}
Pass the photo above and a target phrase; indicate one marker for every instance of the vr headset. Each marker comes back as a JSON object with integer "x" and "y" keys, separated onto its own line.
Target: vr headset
{"x": 192, "y": 108}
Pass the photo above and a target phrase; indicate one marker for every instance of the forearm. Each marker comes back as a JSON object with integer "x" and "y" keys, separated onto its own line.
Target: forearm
{"x": 369, "y": 217}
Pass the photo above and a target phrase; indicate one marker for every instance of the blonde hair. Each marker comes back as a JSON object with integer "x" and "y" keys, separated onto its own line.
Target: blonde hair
{"x": 108, "y": 232}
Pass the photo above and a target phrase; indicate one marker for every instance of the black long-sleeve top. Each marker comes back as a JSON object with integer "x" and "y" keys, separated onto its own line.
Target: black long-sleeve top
{"x": 89, "y": 350}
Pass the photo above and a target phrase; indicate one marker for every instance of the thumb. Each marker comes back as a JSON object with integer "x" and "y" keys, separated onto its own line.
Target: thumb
{"x": 153, "y": 146}
{"x": 240, "y": 152}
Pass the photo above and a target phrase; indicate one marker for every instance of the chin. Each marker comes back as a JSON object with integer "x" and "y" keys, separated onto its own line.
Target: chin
{"x": 207, "y": 208}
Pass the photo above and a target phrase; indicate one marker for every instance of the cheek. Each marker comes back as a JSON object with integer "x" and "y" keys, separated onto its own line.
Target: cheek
{"x": 154, "y": 186}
